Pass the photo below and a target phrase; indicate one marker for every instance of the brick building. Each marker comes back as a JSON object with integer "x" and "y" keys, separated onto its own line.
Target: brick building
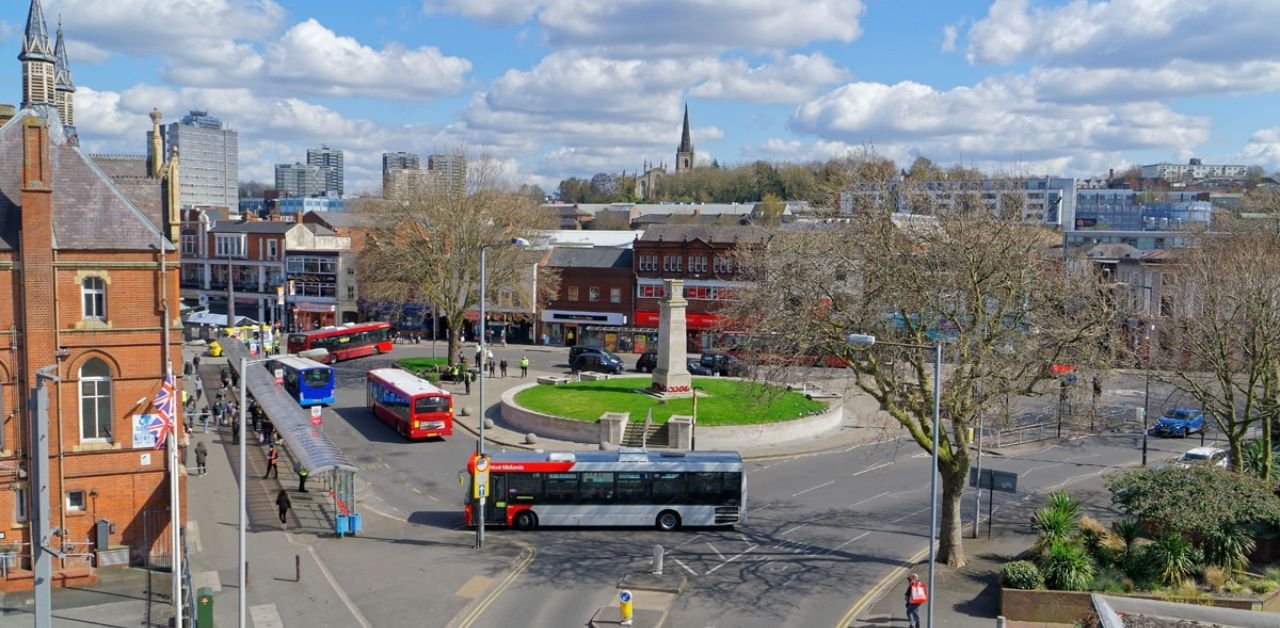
{"x": 597, "y": 293}
{"x": 702, "y": 256}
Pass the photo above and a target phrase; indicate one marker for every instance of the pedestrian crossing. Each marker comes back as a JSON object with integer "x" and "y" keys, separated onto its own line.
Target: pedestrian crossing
{"x": 265, "y": 616}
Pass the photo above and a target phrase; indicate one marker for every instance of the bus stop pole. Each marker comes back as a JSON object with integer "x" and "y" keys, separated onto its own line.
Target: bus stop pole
{"x": 244, "y": 384}
{"x": 480, "y": 400}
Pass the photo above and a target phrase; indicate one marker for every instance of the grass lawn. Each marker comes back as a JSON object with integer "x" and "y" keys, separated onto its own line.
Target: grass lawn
{"x": 721, "y": 402}
{"x": 423, "y": 367}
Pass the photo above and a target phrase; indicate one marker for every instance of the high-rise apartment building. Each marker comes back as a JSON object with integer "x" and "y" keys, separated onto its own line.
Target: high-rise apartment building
{"x": 302, "y": 180}
{"x": 330, "y": 161}
{"x": 447, "y": 171}
{"x": 209, "y": 156}
{"x": 395, "y": 162}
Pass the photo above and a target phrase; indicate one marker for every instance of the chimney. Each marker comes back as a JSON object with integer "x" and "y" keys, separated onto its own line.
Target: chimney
{"x": 7, "y": 112}
{"x": 36, "y": 251}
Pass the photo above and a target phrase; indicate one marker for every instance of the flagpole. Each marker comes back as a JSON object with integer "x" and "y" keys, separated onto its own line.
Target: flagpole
{"x": 175, "y": 428}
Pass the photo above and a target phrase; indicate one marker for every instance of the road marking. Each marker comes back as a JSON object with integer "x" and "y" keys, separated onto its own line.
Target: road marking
{"x": 736, "y": 557}
{"x": 433, "y": 498}
{"x": 813, "y": 488}
{"x": 417, "y": 490}
{"x": 1039, "y": 468}
{"x": 874, "y": 497}
{"x": 713, "y": 548}
{"x": 869, "y": 470}
{"x": 474, "y": 587}
{"x": 910, "y": 514}
{"x": 686, "y": 567}
{"x": 193, "y": 533}
{"x": 521, "y": 565}
{"x": 342, "y": 595}
{"x": 877, "y": 591}
{"x": 690, "y": 540}
{"x": 923, "y": 454}
{"x": 852, "y": 540}
{"x": 265, "y": 616}
{"x": 793, "y": 529}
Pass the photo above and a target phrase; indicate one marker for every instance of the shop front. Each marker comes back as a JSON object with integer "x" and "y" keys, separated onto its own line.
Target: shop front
{"x": 567, "y": 328}
{"x": 704, "y": 330}
{"x": 307, "y": 315}
{"x": 501, "y": 327}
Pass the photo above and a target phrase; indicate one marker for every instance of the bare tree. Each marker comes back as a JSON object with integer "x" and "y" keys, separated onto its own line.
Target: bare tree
{"x": 425, "y": 246}
{"x": 984, "y": 286}
{"x": 1225, "y": 319}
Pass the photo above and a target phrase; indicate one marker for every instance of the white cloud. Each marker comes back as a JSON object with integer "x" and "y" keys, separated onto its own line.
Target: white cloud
{"x": 949, "y": 34}
{"x": 1126, "y": 32}
{"x": 787, "y": 80}
{"x": 996, "y": 120}
{"x": 694, "y": 27}
{"x": 1178, "y": 78}
{"x": 1263, "y": 149}
{"x": 143, "y": 27}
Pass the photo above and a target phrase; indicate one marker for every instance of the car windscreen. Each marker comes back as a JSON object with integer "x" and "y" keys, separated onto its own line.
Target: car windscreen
{"x": 1183, "y": 415}
{"x": 1194, "y": 456}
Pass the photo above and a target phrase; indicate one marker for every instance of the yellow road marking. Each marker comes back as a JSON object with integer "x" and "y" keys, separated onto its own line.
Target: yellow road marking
{"x": 474, "y": 587}
{"x": 879, "y": 589}
{"x": 502, "y": 586}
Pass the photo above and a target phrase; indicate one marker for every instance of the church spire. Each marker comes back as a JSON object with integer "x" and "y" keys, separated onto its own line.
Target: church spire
{"x": 64, "y": 87}
{"x": 37, "y": 60}
{"x": 35, "y": 40}
{"x": 684, "y": 154}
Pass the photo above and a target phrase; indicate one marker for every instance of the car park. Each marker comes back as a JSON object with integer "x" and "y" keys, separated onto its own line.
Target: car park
{"x": 1179, "y": 422}
{"x": 697, "y": 368}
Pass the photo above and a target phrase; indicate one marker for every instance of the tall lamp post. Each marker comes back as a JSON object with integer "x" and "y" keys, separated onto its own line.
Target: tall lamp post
{"x": 1146, "y": 396}
{"x": 480, "y": 338}
{"x": 244, "y": 508}
{"x": 864, "y": 340}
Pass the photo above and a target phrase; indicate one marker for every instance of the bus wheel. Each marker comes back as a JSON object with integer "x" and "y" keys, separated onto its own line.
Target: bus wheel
{"x": 377, "y": 350}
{"x": 668, "y": 520}
{"x": 525, "y": 520}
{"x": 333, "y": 358}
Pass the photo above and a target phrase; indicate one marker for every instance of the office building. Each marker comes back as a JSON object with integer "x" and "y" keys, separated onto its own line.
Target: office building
{"x": 209, "y": 156}
{"x": 301, "y": 180}
{"x": 330, "y": 162}
{"x": 397, "y": 162}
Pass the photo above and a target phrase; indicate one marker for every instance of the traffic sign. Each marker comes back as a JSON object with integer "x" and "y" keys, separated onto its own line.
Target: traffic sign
{"x": 316, "y": 416}
{"x": 994, "y": 480}
{"x": 624, "y": 596}
{"x": 279, "y": 377}
{"x": 482, "y": 477}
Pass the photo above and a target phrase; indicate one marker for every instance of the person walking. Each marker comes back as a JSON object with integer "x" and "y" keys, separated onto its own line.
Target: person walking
{"x": 917, "y": 593}
{"x": 283, "y": 504}
{"x": 202, "y": 453}
{"x": 273, "y": 461}
{"x": 466, "y": 380}
{"x": 235, "y": 429}
{"x": 195, "y": 363}
{"x": 502, "y": 368}
{"x": 479, "y": 354}
{"x": 524, "y": 366}
{"x": 199, "y": 387}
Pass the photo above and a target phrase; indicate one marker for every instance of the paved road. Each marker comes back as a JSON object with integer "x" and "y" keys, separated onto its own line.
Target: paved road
{"x": 822, "y": 528}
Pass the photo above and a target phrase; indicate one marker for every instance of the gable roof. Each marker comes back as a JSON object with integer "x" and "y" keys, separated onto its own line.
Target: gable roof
{"x": 707, "y": 233}
{"x": 593, "y": 257}
{"x": 90, "y": 213}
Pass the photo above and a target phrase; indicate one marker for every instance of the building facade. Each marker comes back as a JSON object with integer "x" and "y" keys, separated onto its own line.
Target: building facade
{"x": 210, "y": 157}
{"x": 330, "y": 162}
{"x": 1194, "y": 169}
{"x": 396, "y": 162}
{"x": 595, "y": 302}
{"x": 447, "y": 172}
{"x": 1038, "y": 200}
{"x": 300, "y": 180}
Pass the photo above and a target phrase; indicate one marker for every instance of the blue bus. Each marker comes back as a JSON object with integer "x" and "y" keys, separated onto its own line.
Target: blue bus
{"x": 310, "y": 382}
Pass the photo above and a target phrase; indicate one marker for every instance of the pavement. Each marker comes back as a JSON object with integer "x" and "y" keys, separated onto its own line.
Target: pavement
{"x": 301, "y": 574}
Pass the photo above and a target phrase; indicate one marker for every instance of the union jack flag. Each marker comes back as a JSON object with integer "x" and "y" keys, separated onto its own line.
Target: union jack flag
{"x": 166, "y": 411}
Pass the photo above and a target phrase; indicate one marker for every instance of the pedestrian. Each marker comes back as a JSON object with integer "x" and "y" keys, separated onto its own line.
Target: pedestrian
{"x": 479, "y": 354}
{"x": 524, "y": 366}
{"x": 493, "y": 368}
{"x": 268, "y": 432}
{"x": 235, "y": 430}
{"x": 199, "y": 387}
{"x": 503, "y": 338}
{"x": 466, "y": 379}
{"x": 235, "y": 379}
{"x": 226, "y": 377}
{"x": 502, "y": 368}
{"x": 202, "y": 453}
{"x": 302, "y": 476}
{"x": 283, "y": 505}
{"x": 273, "y": 460}
{"x": 917, "y": 593}
{"x": 196, "y": 364}
{"x": 186, "y": 370}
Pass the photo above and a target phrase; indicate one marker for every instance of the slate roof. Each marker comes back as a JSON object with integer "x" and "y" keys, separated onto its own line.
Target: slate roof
{"x": 90, "y": 213}
{"x": 341, "y": 220}
{"x": 593, "y": 257}
{"x": 256, "y": 226}
{"x": 706, "y": 233}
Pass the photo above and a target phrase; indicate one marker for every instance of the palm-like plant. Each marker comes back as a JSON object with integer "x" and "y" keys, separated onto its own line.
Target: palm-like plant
{"x": 1228, "y": 547}
{"x": 1253, "y": 457}
{"x": 1173, "y": 558}
{"x": 1067, "y": 567}
{"x": 1056, "y": 521}
{"x": 1127, "y": 530}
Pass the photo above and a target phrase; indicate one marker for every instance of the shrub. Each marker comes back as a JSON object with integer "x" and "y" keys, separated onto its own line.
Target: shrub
{"x": 1186, "y": 592}
{"x": 1021, "y": 574}
{"x": 1127, "y": 531}
{"x": 1137, "y": 565}
{"x": 1056, "y": 520}
{"x": 1227, "y": 546}
{"x": 1111, "y": 580}
{"x": 1261, "y": 586}
{"x": 1101, "y": 543}
{"x": 1172, "y": 558}
{"x": 1067, "y": 567}
{"x": 1215, "y": 578}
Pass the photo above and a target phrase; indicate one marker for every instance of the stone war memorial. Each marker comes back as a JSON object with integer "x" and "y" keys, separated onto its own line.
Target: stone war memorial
{"x": 671, "y": 377}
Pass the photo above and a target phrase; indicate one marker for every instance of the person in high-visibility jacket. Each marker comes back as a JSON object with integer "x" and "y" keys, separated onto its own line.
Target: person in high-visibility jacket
{"x": 302, "y": 478}
{"x": 524, "y": 366}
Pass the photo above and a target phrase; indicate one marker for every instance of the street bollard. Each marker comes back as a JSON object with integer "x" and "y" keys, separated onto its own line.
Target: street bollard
{"x": 657, "y": 560}
{"x": 624, "y": 605}
{"x": 297, "y": 568}
{"x": 204, "y": 607}
{"x": 1000, "y": 621}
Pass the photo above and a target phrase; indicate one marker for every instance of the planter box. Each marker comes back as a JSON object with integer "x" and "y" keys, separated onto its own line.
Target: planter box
{"x": 1065, "y": 607}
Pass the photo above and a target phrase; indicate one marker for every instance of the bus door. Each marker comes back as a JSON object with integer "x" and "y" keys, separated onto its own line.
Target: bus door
{"x": 495, "y": 509}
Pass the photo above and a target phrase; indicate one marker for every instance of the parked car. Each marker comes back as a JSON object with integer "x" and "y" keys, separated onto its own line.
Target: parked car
{"x": 578, "y": 350}
{"x": 1213, "y": 456}
{"x": 597, "y": 361}
{"x": 1179, "y": 422}
{"x": 697, "y": 368}
{"x": 724, "y": 364}
{"x": 647, "y": 362}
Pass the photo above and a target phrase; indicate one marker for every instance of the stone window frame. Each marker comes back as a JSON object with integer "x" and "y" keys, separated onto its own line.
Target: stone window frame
{"x": 85, "y": 321}
{"x": 97, "y": 393}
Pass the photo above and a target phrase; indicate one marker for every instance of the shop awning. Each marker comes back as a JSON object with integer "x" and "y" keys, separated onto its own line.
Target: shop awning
{"x": 308, "y": 444}
{"x": 695, "y": 321}
{"x": 305, "y": 306}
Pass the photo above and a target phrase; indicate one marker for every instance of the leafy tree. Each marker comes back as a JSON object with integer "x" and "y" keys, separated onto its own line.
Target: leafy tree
{"x": 984, "y": 286}
{"x": 923, "y": 170}
{"x": 1196, "y": 501}
{"x": 425, "y": 248}
{"x": 771, "y": 208}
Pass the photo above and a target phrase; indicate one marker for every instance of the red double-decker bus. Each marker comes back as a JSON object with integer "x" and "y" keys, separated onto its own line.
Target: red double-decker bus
{"x": 352, "y": 340}
{"x": 413, "y": 406}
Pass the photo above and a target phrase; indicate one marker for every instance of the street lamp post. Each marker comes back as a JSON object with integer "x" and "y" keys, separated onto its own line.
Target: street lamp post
{"x": 865, "y": 340}
{"x": 480, "y": 340}
{"x": 244, "y": 508}
{"x": 1146, "y": 396}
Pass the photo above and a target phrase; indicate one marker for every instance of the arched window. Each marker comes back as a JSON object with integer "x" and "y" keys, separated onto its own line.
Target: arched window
{"x": 93, "y": 292}
{"x": 95, "y": 400}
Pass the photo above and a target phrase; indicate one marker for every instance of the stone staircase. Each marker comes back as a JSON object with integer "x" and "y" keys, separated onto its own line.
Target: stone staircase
{"x": 636, "y": 436}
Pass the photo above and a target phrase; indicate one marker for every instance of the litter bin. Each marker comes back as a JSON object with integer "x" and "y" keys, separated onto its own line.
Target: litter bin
{"x": 204, "y": 607}
{"x": 342, "y": 525}
{"x": 353, "y": 524}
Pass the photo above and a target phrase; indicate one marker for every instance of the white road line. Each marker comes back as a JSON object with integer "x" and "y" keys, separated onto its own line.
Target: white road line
{"x": 813, "y": 488}
{"x": 874, "y": 497}
{"x": 923, "y": 454}
{"x": 869, "y": 470}
{"x": 793, "y": 529}
{"x": 1039, "y": 468}
{"x": 713, "y": 548}
{"x": 193, "y": 533}
{"x": 688, "y": 541}
{"x": 910, "y": 515}
{"x": 342, "y": 595}
{"x": 686, "y": 567}
{"x": 744, "y": 553}
{"x": 265, "y": 616}
{"x": 852, "y": 540}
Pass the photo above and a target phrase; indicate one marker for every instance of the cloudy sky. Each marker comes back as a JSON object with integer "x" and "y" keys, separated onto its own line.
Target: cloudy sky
{"x": 558, "y": 88}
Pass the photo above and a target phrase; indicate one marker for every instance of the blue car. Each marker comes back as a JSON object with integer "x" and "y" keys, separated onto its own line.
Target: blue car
{"x": 1179, "y": 422}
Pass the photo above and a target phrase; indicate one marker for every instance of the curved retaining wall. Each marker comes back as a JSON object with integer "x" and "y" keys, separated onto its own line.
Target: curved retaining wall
{"x": 728, "y": 437}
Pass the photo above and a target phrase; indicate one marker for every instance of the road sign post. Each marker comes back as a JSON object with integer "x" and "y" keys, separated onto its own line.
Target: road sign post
{"x": 480, "y": 488}
{"x": 624, "y": 607}
{"x": 993, "y": 480}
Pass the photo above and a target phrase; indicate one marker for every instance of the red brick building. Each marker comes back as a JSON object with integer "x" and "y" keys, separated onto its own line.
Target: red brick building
{"x": 597, "y": 292}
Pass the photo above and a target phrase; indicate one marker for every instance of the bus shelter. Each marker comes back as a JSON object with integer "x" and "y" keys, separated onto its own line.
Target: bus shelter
{"x": 304, "y": 437}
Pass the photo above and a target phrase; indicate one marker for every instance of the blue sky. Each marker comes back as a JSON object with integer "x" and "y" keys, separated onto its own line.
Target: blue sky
{"x": 549, "y": 89}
